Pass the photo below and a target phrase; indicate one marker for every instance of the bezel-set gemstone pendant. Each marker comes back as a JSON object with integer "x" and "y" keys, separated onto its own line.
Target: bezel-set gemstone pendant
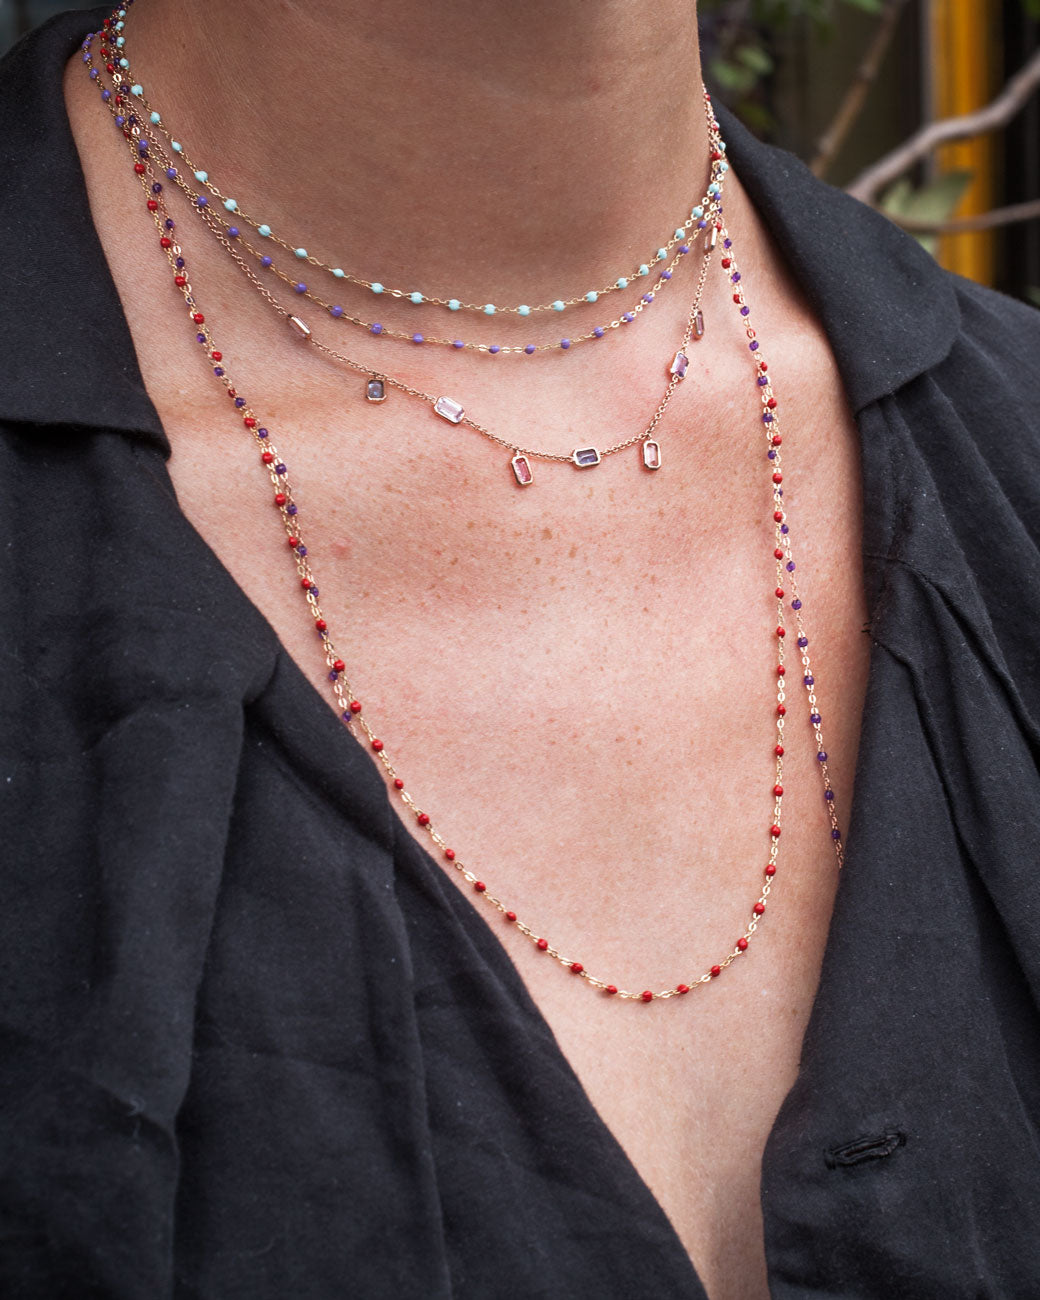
{"x": 679, "y": 363}
{"x": 651, "y": 454}
{"x": 710, "y": 239}
{"x": 698, "y": 325}
{"x": 448, "y": 409}
{"x": 522, "y": 470}
{"x": 375, "y": 390}
{"x": 585, "y": 457}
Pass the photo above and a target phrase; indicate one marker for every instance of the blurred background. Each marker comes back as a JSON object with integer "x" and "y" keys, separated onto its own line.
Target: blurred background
{"x": 929, "y": 109}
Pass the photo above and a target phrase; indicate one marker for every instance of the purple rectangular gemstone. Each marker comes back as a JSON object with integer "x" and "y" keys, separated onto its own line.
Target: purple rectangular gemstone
{"x": 448, "y": 409}
{"x": 584, "y": 457}
{"x": 679, "y": 363}
{"x": 698, "y": 325}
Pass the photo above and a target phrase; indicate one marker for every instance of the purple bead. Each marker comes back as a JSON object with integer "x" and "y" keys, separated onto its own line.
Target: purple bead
{"x": 262, "y": 433}
{"x": 218, "y": 371}
{"x": 168, "y": 223}
{"x": 803, "y": 641}
{"x": 120, "y": 120}
{"x": 265, "y": 262}
{"x": 301, "y": 550}
{"x": 771, "y": 454}
{"x": 333, "y": 676}
{"x": 809, "y": 681}
{"x": 628, "y": 318}
{"x": 171, "y": 173}
{"x": 565, "y": 344}
{"x": 347, "y": 715}
{"x": 753, "y": 345}
{"x": 684, "y": 248}
{"x": 142, "y": 146}
{"x": 418, "y": 338}
{"x": 767, "y": 418}
{"x": 599, "y": 331}
{"x": 666, "y": 275}
{"x": 494, "y": 348}
{"x": 202, "y": 201}
{"x": 745, "y": 311}
{"x": 822, "y": 756}
{"x": 200, "y": 338}
{"x": 735, "y": 277}
{"x": 790, "y": 566}
{"x": 156, "y": 187}
{"x": 784, "y": 529}
{"x": 815, "y": 719}
{"x": 457, "y": 343}
{"x": 796, "y": 604}
{"x": 300, "y": 287}
{"x": 701, "y": 225}
{"x": 648, "y": 297}
{"x": 280, "y": 468}
{"x": 233, "y": 232}
{"x": 529, "y": 349}
{"x": 179, "y": 263}
{"x": 93, "y": 74}
{"x": 762, "y": 381}
{"x": 86, "y": 57}
{"x": 240, "y": 402}
{"x": 106, "y": 95}
{"x": 835, "y": 835}
{"x": 727, "y": 243}
{"x": 828, "y": 794}
{"x": 375, "y": 328}
{"x": 314, "y": 590}
{"x": 133, "y": 120}
{"x": 292, "y": 510}
{"x": 336, "y": 311}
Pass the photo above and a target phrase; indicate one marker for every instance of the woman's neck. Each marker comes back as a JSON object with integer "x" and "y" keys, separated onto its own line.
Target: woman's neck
{"x": 526, "y": 148}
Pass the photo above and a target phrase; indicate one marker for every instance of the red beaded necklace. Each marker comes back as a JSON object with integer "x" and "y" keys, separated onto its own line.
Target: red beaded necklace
{"x": 349, "y": 706}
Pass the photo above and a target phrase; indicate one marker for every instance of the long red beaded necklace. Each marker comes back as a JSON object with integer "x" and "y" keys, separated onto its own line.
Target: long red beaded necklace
{"x": 349, "y": 706}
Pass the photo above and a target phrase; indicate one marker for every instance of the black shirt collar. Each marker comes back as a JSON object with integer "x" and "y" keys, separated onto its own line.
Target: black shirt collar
{"x": 888, "y": 310}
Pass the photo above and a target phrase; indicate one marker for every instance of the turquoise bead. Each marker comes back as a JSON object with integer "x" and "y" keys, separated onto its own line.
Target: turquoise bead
{"x": 523, "y": 310}
{"x": 175, "y": 146}
{"x": 723, "y": 167}
{"x": 679, "y": 232}
{"x": 124, "y": 63}
{"x": 489, "y": 309}
{"x": 713, "y": 188}
{"x": 376, "y": 288}
{"x": 622, "y": 283}
{"x": 415, "y": 297}
{"x": 156, "y": 119}
{"x": 120, "y": 26}
{"x": 591, "y": 296}
{"x": 301, "y": 253}
{"x": 698, "y": 211}
{"x": 338, "y": 273}
{"x": 231, "y": 205}
{"x": 644, "y": 269}
{"x": 558, "y": 305}
{"x": 662, "y": 253}
{"x": 120, "y": 41}
{"x": 454, "y": 304}
{"x": 137, "y": 90}
{"x": 263, "y": 230}
{"x": 202, "y": 176}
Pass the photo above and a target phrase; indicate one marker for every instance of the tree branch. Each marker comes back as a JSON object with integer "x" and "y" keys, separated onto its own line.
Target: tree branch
{"x": 995, "y": 114}
{"x": 982, "y": 221}
{"x": 855, "y": 97}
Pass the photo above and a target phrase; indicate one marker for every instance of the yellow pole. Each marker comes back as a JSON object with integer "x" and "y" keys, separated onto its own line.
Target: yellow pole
{"x": 965, "y": 40}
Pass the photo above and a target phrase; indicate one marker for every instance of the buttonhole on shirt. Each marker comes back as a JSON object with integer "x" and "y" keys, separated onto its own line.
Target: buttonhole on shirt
{"x": 864, "y": 1148}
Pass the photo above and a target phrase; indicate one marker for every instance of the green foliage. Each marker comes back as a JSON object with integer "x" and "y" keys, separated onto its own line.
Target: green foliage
{"x": 935, "y": 201}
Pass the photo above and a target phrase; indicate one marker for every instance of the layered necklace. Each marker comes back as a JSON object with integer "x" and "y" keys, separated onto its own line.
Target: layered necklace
{"x": 153, "y": 156}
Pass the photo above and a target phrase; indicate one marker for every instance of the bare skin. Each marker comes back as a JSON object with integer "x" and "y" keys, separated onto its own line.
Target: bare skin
{"x": 577, "y": 677}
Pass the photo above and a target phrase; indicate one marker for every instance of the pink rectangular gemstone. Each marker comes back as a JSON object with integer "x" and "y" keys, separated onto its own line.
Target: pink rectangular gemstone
{"x": 522, "y": 469}
{"x": 448, "y": 409}
{"x": 679, "y": 364}
{"x": 651, "y": 454}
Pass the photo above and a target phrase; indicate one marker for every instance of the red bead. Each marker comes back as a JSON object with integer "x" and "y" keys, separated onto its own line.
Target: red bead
{"x": 763, "y": 365}
{"x": 479, "y": 886}
{"x": 779, "y": 593}
{"x": 542, "y": 944}
{"x": 778, "y": 553}
{"x": 280, "y": 498}
{"x": 249, "y": 421}
{"x": 377, "y": 745}
{"x": 450, "y": 854}
{"x": 715, "y": 972}
{"x": 355, "y": 707}
{"x": 777, "y": 440}
{"x": 217, "y": 356}
{"x": 682, "y": 988}
{"x": 781, "y": 709}
{"x": 727, "y": 262}
{"x": 118, "y": 99}
{"x": 180, "y": 281}
{"x": 715, "y": 155}
{"x": 778, "y": 478}
{"x": 611, "y": 989}
{"x": 306, "y": 584}
{"x": 736, "y": 297}
{"x": 647, "y": 996}
{"x": 781, "y": 632}
{"x": 152, "y": 206}
{"x": 778, "y": 515}
{"x": 293, "y": 541}
{"x": 771, "y": 403}
{"x": 139, "y": 168}
{"x": 338, "y": 666}
{"x": 775, "y": 832}
{"x": 510, "y": 916}
{"x": 780, "y": 670}
{"x": 770, "y": 870}
{"x": 267, "y": 457}
{"x": 576, "y": 967}
{"x": 165, "y": 242}
{"x": 198, "y": 317}
{"x": 742, "y": 944}
{"x": 398, "y": 783}
{"x": 759, "y": 908}
{"x": 778, "y": 789}
{"x": 423, "y": 819}
{"x": 110, "y": 67}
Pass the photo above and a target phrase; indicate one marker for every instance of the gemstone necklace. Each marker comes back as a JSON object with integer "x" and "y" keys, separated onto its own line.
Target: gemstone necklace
{"x": 350, "y": 707}
{"x": 117, "y": 56}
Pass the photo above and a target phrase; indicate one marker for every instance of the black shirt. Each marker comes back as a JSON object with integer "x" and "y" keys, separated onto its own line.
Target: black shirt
{"x": 254, "y": 1044}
